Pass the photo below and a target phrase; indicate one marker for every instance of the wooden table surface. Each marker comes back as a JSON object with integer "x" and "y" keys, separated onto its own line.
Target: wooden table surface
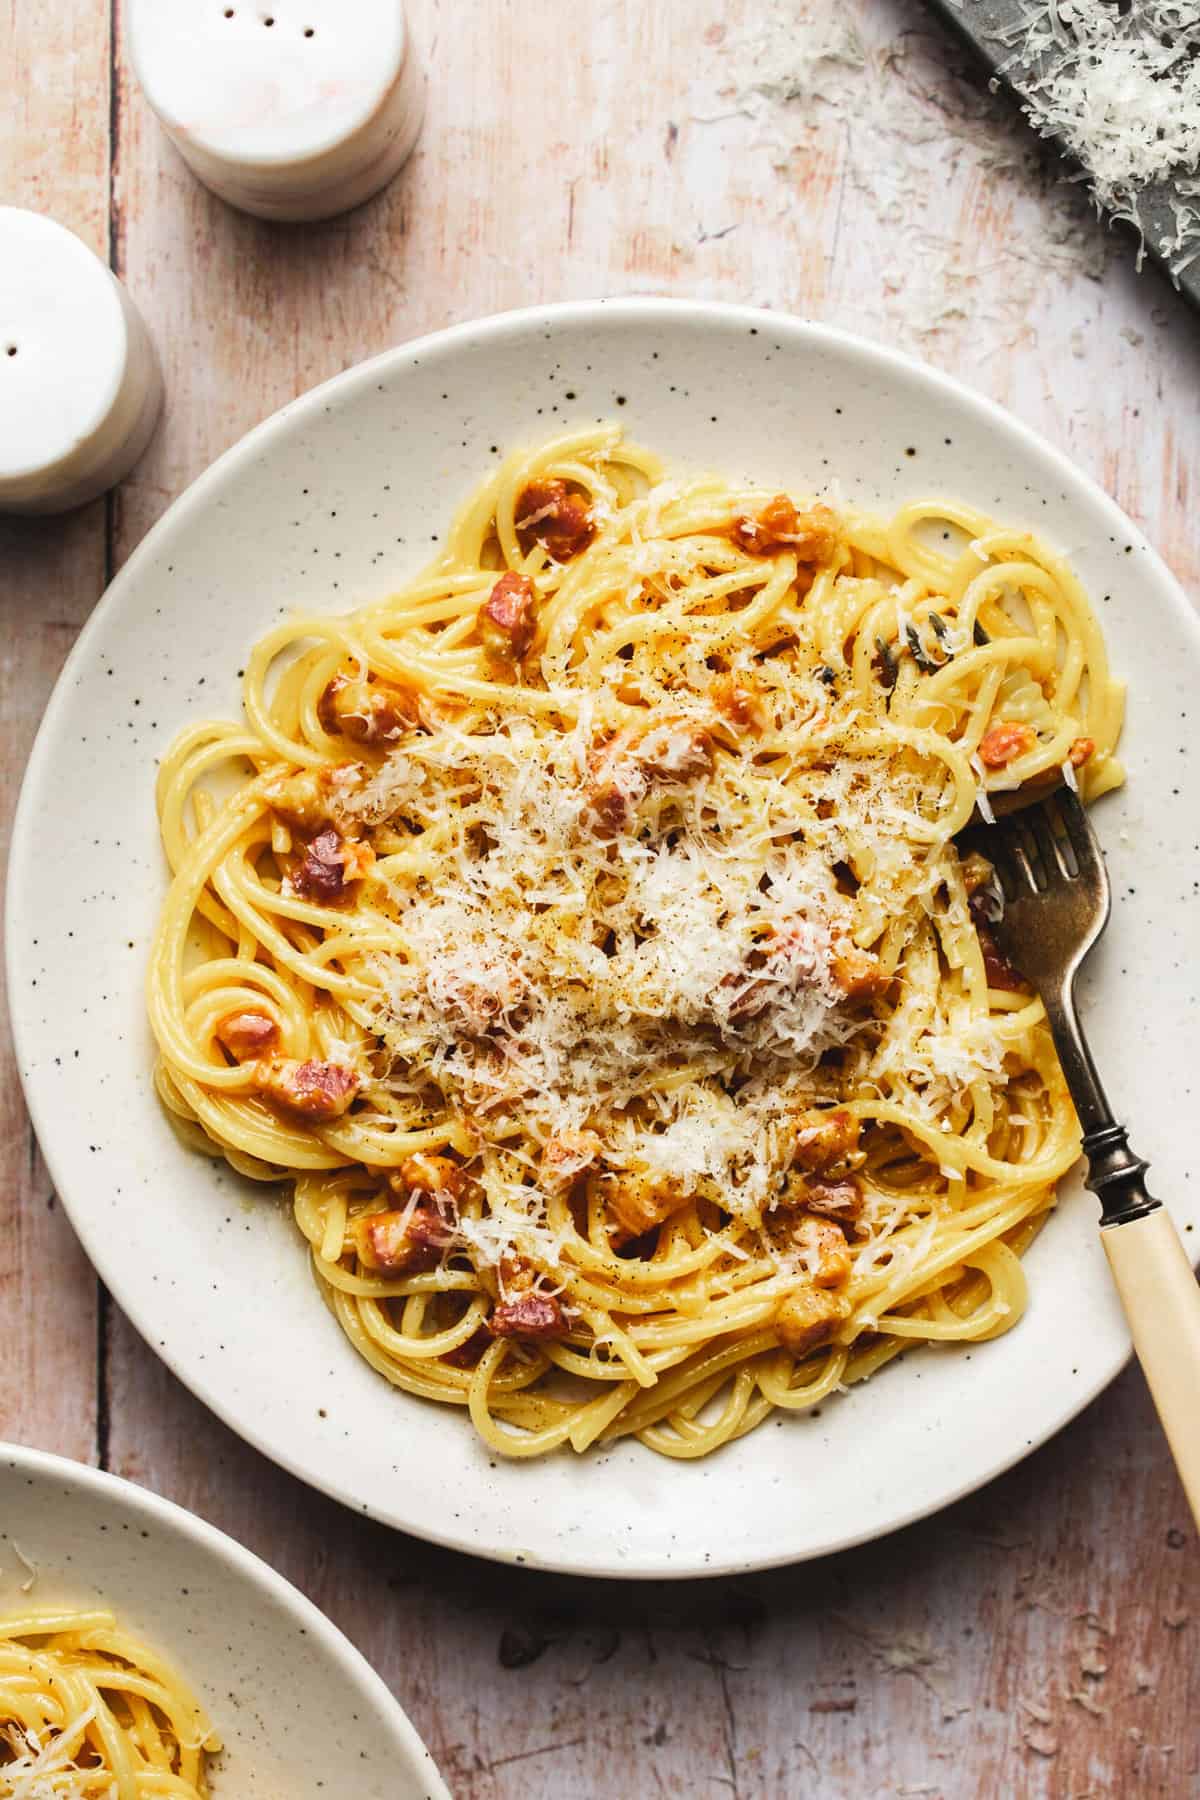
{"x": 833, "y": 159}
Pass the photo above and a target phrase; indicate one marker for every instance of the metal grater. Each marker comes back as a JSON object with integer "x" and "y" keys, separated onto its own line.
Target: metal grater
{"x": 988, "y": 27}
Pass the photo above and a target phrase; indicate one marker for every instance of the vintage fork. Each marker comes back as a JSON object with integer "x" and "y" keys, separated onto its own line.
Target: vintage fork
{"x": 1056, "y": 904}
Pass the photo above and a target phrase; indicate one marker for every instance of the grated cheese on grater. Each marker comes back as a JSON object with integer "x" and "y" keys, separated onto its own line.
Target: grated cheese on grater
{"x": 1120, "y": 90}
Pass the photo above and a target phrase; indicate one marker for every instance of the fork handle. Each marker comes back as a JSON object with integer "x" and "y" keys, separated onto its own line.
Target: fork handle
{"x": 1161, "y": 1297}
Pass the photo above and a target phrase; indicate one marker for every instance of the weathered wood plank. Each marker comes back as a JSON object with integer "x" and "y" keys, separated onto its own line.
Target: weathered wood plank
{"x": 53, "y": 158}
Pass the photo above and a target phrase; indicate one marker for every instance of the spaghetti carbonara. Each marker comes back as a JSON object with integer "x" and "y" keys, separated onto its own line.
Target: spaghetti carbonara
{"x": 91, "y": 1713}
{"x": 584, "y": 934}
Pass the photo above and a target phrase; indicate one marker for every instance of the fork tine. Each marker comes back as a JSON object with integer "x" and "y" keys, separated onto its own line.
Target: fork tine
{"x": 998, "y": 854}
{"x": 1041, "y": 823}
{"x": 1030, "y": 851}
{"x": 1021, "y": 860}
{"x": 1083, "y": 838}
{"x": 999, "y": 846}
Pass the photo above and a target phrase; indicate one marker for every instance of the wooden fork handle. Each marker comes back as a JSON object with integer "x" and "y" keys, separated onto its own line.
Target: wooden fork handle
{"x": 1161, "y": 1297}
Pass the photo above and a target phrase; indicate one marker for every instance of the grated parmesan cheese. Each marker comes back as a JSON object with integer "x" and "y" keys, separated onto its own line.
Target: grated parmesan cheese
{"x": 551, "y": 975}
{"x": 30, "y": 1568}
{"x": 670, "y": 988}
{"x": 1120, "y": 90}
{"x": 35, "y": 1771}
{"x": 802, "y": 82}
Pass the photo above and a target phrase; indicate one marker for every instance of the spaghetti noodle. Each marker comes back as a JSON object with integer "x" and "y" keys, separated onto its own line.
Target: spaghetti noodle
{"x": 91, "y": 1713}
{"x": 585, "y": 934}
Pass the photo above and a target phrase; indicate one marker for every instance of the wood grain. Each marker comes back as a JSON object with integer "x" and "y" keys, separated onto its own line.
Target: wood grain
{"x": 1040, "y": 1638}
{"x": 53, "y": 157}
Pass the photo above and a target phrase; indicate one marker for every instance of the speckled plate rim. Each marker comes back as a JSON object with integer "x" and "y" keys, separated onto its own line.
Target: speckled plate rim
{"x": 1101, "y": 1360}
{"x": 107, "y": 1493}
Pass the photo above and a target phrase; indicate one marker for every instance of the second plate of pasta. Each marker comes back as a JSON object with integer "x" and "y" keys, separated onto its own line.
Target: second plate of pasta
{"x": 144, "y": 1653}
{"x": 582, "y": 922}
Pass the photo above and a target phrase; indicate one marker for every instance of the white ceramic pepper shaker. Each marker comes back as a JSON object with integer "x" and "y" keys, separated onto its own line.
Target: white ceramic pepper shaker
{"x": 290, "y": 109}
{"x": 80, "y": 387}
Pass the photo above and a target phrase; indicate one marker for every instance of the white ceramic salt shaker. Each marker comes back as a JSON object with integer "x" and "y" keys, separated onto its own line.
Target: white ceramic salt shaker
{"x": 290, "y": 109}
{"x": 80, "y": 387}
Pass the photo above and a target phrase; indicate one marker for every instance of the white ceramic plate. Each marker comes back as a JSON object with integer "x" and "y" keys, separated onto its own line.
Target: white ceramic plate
{"x": 332, "y": 502}
{"x": 301, "y": 1714}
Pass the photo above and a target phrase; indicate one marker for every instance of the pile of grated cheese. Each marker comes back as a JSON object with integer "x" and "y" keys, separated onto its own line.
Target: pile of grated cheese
{"x": 557, "y": 978}
{"x": 669, "y": 988}
{"x": 33, "y": 1770}
{"x": 1120, "y": 90}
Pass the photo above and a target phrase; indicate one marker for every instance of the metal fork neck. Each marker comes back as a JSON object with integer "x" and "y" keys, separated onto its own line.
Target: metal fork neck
{"x": 1115, "y": 1174}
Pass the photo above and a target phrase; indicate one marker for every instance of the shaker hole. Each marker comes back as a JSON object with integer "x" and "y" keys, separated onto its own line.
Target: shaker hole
{"x": 10, "y": 349}
{"x": 229, "y": 12}
{"x": 268, "y": 20}
{"x": 309, "y": 32}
